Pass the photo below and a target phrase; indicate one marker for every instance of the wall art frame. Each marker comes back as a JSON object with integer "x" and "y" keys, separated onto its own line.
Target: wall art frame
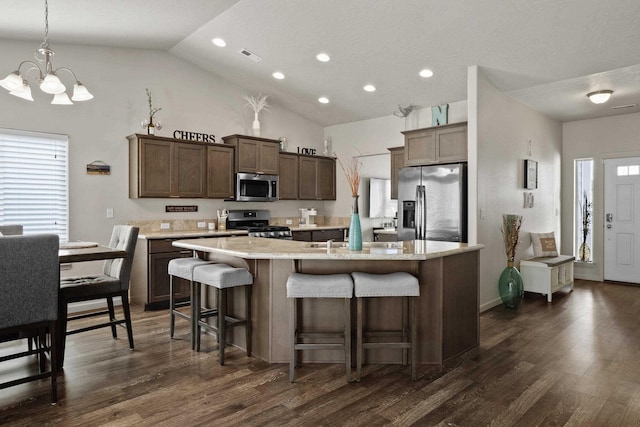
{"x": 530, "y": 174}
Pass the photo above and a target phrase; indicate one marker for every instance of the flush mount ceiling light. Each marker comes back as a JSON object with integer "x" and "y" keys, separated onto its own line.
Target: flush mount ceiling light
{"x": 425, "y": 73}
{"x": 278, "y": 75}
{"x": 369, "y": 88}
{"x": 323, "y": 100}
{"x": 600, "y": 96}
{"x": 18, "y": 85}
{"x": 219, "y": 42}
{"x": 323, "y": 57}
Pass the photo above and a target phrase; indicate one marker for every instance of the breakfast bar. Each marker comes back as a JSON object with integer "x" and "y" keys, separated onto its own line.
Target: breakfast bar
{"x": 447, "y": 307}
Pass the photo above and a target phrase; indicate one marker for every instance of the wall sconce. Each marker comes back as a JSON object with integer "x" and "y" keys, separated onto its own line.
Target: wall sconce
{"x": 600, "y": 96}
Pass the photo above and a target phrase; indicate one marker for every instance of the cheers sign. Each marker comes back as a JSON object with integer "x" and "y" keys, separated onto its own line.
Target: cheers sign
{"x": 194, "y": 136}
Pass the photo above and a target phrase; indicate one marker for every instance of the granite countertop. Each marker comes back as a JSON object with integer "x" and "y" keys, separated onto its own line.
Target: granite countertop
{"x": 169, "y": 234}
{"x": 263, "y": 248}
{"x": 386, "y": 231}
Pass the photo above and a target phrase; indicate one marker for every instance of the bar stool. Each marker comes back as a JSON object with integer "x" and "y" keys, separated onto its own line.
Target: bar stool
{"x": 222, "y": 277}
{"x": 319, "y": 286}
{"x": 183, "y": 268}
{"x": 397, "y": 284}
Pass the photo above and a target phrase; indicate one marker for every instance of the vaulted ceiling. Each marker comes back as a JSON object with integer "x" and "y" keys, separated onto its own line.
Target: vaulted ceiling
{"x": 546, "y": 53}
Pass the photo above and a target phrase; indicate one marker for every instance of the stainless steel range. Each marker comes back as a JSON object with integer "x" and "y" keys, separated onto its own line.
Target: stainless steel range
{"x": 256, "y": 222}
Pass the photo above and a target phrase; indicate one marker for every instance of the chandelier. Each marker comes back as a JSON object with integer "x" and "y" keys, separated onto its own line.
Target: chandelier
{"x": 18, "y": 85}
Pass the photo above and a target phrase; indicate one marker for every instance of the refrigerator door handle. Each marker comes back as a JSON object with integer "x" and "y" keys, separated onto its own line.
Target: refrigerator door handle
{"x": 421, "y": 220}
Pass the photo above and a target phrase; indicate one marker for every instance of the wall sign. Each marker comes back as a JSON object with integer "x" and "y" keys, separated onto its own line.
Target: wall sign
{"x": 530, "y": 174}
{"x": 439, "y": 115}
{"x": 194, "y": 136}
{"x": 98, "y": 167}
{"x": 191, "y": 208}
{"x": 311, "y": 151}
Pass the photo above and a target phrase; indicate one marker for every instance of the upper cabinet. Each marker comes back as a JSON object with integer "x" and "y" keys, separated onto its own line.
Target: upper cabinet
{"x": 397, "y": 163}
{"x": 220, "y": 175}
{"x": 317, "y": 178}
{"x": 288, "y": 176}
{"x": 439, "y": 144}
{"x": 165, "y": 167}
{"x": 255, "y": 155}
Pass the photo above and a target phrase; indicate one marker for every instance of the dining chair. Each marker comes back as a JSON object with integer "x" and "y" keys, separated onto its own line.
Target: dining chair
{"x": 30, "y": 300}
{"x": 113, "y": 282}
{"x": 10, "y": 230}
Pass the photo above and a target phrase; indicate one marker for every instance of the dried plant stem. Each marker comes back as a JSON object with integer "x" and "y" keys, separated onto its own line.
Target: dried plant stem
{"x": 511, "y": 232}
{"x": 352, "y": 172}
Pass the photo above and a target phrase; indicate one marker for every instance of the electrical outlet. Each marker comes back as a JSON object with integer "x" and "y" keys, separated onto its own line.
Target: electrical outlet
{"x": 165, "y": 226}
{"x": 109, "y": 213}
{"x": 289, "y": 222}
{"x": 202, "y": 224}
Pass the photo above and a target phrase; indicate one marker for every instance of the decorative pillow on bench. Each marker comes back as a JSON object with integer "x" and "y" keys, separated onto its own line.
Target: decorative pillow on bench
{"x": 544, "y": 244}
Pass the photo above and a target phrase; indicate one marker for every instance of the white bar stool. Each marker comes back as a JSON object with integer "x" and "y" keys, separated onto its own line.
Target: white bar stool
{"x": 399, "y": 284}
{"x": 222, "y": 277}
{"x": 301, "y": 285}
{"x": 183, "y": 268}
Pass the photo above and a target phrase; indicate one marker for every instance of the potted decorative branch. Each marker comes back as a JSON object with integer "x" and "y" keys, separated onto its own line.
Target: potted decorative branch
{"x": 510, "y": 284}
{"x": 352, "y": 173}
{"x": 404, "y": 113}
{"x": 148, "y": 124}
{"x": 257, "y": 104}
{"x": 585, "y": 207}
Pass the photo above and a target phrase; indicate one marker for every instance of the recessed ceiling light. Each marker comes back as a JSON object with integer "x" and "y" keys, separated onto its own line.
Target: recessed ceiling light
{"x": 219, "y": 42}
{"x": 278, "y": 75}
{"x": 323, "y": 57}
{"x": 426, "y": 73}
{"x": 369, "y": 88}
{"x": 323, "y": 100}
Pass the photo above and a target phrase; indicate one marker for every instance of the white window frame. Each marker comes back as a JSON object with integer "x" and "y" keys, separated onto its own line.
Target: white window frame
{"x": 34, "y": 181}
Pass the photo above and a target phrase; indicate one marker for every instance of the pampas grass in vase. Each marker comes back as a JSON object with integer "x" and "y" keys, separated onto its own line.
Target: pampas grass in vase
{"x": 510, "y": 285}
{"x": 257, "y": 104}
{"x": 352, "y": 172}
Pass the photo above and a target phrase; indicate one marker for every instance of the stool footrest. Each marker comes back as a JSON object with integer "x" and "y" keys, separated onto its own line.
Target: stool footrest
{"x": 318, "y": 346}
{"x": 181, "y": 314}
{"x": 330, "y": 334}
{"x": 384, "y": 333}
{"x": 371, "y": 345}
{"x": 182, "y": 304}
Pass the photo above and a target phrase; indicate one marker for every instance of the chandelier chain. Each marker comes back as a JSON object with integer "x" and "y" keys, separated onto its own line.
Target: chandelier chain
{"x": 46, "y": 22}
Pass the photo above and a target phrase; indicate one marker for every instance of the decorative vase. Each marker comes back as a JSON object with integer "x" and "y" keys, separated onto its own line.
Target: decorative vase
{"x": 151, "y": 129}
{"x": 510, "y": 286}
{"x": 411, "y": 120}
{"x": 256, "y": 126}
{"x": 355, "y": 231}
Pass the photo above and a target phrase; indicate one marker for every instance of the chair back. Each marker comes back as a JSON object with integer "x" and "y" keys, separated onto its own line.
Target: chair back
{"x": 123, "y": 237}
{"x": 11, "y": 230}
{"x": 29, "y": 279}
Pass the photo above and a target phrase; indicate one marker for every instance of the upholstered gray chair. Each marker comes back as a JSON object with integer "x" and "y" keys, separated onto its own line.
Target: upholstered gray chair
{"x": 29, "y": 280}
{"x": 113, "y": 282}
{"x": 11, "y": 230}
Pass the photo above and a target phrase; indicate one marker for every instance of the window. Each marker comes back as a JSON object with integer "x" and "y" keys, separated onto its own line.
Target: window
{"x": 34, "y": 184}
{"x": 583, "y": 241}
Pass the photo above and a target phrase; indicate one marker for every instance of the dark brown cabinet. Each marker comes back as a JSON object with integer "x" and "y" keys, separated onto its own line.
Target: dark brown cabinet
{"x": 397, "y": 163}
{"x": 288, "y": 176}
{"x": 317, "y": 178}
{"x": 165, "y": 167}
{"x": 255, "y": 155}
{"x": 160, "y": 252}
{"x": 337, "y": 235}
{"x": 439, "y": 144}
{"x": 220, "y": 175}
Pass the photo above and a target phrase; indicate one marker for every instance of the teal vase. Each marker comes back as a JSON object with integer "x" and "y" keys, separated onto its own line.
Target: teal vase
{"x": 510, "y": 286}
{"x": 355, "y": 231}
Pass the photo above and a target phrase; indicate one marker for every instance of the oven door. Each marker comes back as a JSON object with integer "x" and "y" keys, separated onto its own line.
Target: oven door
{"x": 256, "y": 188}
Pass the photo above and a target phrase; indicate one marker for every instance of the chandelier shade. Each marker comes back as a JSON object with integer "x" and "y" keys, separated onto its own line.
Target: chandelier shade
{"x": 47, "y": 77}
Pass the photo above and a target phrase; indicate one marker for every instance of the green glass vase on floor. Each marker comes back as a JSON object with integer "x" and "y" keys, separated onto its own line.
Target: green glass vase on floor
{"x": 355, "y": 231}
{"x": 510, "y": 286}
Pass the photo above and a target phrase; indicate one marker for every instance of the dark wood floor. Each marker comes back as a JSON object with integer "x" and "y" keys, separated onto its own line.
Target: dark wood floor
{"x": 575, "y": 361}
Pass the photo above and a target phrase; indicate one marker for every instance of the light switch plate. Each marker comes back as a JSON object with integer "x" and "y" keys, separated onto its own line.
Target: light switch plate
{"x": 165, "y": 226}
{"x": 109, "y": 213}
{"x": 289, "y": 221}
{"x": 202, "y": 224}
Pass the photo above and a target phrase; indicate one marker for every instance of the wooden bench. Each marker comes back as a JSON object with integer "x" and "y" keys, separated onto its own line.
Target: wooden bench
{"x": 546, "y": 275}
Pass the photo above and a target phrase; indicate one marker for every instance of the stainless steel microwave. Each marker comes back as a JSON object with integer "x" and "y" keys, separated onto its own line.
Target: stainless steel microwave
{"x": 252, "y": 187}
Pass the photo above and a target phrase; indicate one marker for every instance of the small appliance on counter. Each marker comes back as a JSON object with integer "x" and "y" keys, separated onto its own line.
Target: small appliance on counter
{"x": 307, "y": 217}
{"x": 256, "y": 222}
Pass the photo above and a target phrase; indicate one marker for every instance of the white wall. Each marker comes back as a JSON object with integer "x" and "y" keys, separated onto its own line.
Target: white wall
{"x": 191, "y": 99}
{"x": 369, "y": 140}
{"x": 607, "y": 137}
{"x": 499, "y": 135}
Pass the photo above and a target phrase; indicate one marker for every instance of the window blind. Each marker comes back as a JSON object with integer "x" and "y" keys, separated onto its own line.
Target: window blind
{"x": 34, "y": 183}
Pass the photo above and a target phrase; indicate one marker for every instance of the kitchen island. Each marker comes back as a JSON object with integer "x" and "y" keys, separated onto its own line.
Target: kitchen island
{"x": 447, "y": 307}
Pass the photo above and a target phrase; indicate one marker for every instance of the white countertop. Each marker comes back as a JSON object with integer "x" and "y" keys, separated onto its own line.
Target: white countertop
{"x": 263, "y": 248}
{"x": 386, "y": 231}
{"x": 318, "y": 227}
{"x": 168, "y": 234}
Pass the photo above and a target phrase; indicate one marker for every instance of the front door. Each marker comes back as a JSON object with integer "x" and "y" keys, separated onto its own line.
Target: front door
{"x": 622, "y": 219}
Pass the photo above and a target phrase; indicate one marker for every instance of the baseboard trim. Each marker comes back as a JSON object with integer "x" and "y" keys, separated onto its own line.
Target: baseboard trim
{"x": 77, "y": 307}
{"x": 489, "y": 305}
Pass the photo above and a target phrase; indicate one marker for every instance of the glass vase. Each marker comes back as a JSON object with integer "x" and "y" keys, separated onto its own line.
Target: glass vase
{"x": 355, "y": 231}
{"x": 510, "y": 286}
{"x": 255, "y": 126}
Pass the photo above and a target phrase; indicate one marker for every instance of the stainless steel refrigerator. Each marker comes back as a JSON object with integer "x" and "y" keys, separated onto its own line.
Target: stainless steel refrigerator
{"x": 432, "y": 203}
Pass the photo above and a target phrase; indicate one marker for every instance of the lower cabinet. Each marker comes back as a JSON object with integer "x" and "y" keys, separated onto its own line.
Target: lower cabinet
{"x": 150, "y": 278}
{"x": 337, "y": 235}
